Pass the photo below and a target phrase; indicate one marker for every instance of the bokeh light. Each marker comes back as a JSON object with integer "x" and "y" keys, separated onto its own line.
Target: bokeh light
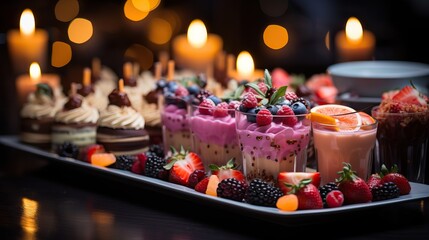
{"x": 160, "y": 31}
{"x": 273, "y": 8}
{"x": 133, "y": 13}
{"x": 66, "y": 10}
{"x": 61, "y": 54}
{"x": 328, "y": 41}
{"x": 80, "y": 30}
{"x": 140, "y": 54}
{"x": 141, "y": 5}
{"x": 275, "y": 36}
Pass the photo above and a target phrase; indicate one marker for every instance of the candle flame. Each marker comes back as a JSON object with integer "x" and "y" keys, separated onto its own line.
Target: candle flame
{"x": 35, "y": 72}
{"x": 197, "y": 33}
{"x": 354, "y": 31}
{"x": 27, "y": 23}
{"x": 245, "y": 65}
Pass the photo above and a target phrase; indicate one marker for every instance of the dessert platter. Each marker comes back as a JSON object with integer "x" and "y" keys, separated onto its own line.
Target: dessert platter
{"x": 246, "y": 153}
{"x": 418, "y": 191}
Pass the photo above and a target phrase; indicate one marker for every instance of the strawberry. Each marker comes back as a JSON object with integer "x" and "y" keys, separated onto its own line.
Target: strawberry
{"x": 202, "y": 185}
{"x": 389, "y": 94}
{"x": 140, "y": 164}
{"x": 308, "y": 195}
{"x": 373, "y": 180}
{"x": 229, "y": 170}
{"x": 293, "y": 178}
{"x": 392, "y": 175}
{"x": 181, "y": 165}
{"x": 409, "y": 94}
{"x": 354, "y": 188}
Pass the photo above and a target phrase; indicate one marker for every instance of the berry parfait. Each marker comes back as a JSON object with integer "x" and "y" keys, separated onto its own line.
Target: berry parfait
{"x": 273, "y": 131}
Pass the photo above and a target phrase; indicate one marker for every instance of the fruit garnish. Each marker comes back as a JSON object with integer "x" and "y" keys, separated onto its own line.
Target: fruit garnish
{"x": 308, "y": 194}
{"x": 231, "y": 188}
{"x": 347, "y": 119}
{"x": 229, "y": 170}
{"x": 212, "y": 185}
{"x": 103, "y": 159}
{"x": 373, "y": 180}
{"x": 325, "y": 190}
{"x": 68, "y": 149}
{"x": 262, "y": 193}
{"x": 409, "y": 94}
{"x": 202, "y": 185}
{"x": 181, "y": 165}
{"x": 293, "y": 178}
{"x": 387, "y": 190}
{"x": 43, "y": 89}
{"x": 366, "y": 119}
{"x": 335, "y": 198}
{"x": 287, "y": 202}
{"x": 196, "y": 177}
{"x": 86, "y": 153}
{"x": 353, "y": 187}
{"x": 321, "y": 118}
{"x": 119, "y": 98}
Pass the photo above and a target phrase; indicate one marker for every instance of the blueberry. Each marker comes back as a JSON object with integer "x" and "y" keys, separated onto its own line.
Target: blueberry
{"x": 283, "y": 102}
{"x": 273, "y": 109}
{"x": 215, "y": 99}
{"x": 193, "y": 89}
{"x": 299, "y": 108}
{"x": 251, "y": 117}
{"x": 172, "y": 86}
{"x": 242, "y": 108}
{"x": 161, "y": 83}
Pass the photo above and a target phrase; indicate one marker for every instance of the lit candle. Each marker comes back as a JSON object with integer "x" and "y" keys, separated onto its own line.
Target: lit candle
{"x": 196, "y": 50}
{"x": 28, "y": 44}
{"x": 245, "y": 68}
{"x": 354, "y": 44}
{"x": 26, "y": 83}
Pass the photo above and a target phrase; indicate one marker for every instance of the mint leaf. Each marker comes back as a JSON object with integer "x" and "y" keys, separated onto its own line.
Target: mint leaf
{"x": 267, "y": 79}
{"x": 277, "y": 95}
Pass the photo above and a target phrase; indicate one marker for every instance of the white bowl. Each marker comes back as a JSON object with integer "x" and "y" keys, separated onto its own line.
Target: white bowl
{"x": 372, "y": 78}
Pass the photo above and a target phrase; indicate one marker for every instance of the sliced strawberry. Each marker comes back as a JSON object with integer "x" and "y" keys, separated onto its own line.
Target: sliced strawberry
{"x": 227, "y": 171}
{"x": 293, "y": 178}
{"x": 389, "y": 94}
{"x": 202, "y": 185}
{"x": 181, "y": 165}
{"x": 410, "y": 95}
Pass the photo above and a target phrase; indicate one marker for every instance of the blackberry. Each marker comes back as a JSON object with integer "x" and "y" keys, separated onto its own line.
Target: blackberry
{"x": 385, "y": 191}
{"x": 196, "y": 177}
{"x": 155, "y": 167}
{"x": 203, "y": 94}
{"x": 262, "y": 193}
{"x": 325, "y": 189}
{"x": 303, "y": 101}
{"x": 68, "y": 149}
{"x": 231, "y": 188}
{"x": 158, "y": 149}
{"x": 124, "y": 162}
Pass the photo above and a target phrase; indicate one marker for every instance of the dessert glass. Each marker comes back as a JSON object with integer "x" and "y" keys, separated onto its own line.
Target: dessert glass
{"x": 335, "y": 144}
{"x": 402, "y": 139}
{"x": 214, "y": 139}
{"x": 175, "y": 124}
{"x": 274, "y": 148}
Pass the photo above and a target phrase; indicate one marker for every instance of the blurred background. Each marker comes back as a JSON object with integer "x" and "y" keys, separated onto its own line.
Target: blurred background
{"x": 298, "y": 36}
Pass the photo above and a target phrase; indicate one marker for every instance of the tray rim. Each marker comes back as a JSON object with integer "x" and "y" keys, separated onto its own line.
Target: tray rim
{"x": 419, "y": 191}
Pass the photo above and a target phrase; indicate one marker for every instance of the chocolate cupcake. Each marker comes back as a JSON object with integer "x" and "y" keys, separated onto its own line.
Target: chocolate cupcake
{"x": 37, "y": 117}
{"x": 75, "y": 123}
{"x": 120, "y": 127}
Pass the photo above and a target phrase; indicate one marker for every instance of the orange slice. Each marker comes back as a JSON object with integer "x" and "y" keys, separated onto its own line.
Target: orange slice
{"x": 212, "y": 185}
{"x": 347, "y": 119}
{"x": 103, "y": 159}
{"x": 287, "y": 202}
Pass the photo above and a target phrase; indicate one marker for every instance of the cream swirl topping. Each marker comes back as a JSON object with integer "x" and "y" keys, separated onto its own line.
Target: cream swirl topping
{"x": 83, "y": 114}
{"x": 39, "y": 107}
{"x": 121, "y": 117}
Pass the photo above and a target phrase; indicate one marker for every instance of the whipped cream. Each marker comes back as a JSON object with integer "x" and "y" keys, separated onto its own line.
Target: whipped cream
{"x": 40, "y": 107}
{"x": 121, "y": 117}
{"x": 83, "y": 114}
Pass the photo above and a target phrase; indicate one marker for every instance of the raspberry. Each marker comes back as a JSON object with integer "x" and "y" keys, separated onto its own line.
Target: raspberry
{"x": 264, "y": 117}
{"x": 181, "y": 91}
{"x": 335, "y": 198}
{"x": 326, "y": 189}
{"x": 291, "y": 119}
{"x": 249, "y": 100}
{"x": 221, "y": 110}
{"x": 233, "y": 104}
{"x": 290, "y": 95}
{"x": 206, "y": 107}
{"x": 231, "y": 188}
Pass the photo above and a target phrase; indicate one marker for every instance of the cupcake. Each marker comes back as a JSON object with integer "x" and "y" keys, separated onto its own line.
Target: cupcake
{"x": 103, "y": 78}
{"x": 120, "y": 127}
{"x": 76, "y": 122}
{"x": 37, "y": 117}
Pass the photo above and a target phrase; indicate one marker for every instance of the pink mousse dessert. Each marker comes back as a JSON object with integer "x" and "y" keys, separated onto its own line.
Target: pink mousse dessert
{"x": 175, "y": 127}
{"x": 273, "y": 131}
{"x": 214, "y": 137}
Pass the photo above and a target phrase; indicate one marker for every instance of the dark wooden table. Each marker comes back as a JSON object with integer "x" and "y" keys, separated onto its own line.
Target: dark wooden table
{"x": 46, "y": 200}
